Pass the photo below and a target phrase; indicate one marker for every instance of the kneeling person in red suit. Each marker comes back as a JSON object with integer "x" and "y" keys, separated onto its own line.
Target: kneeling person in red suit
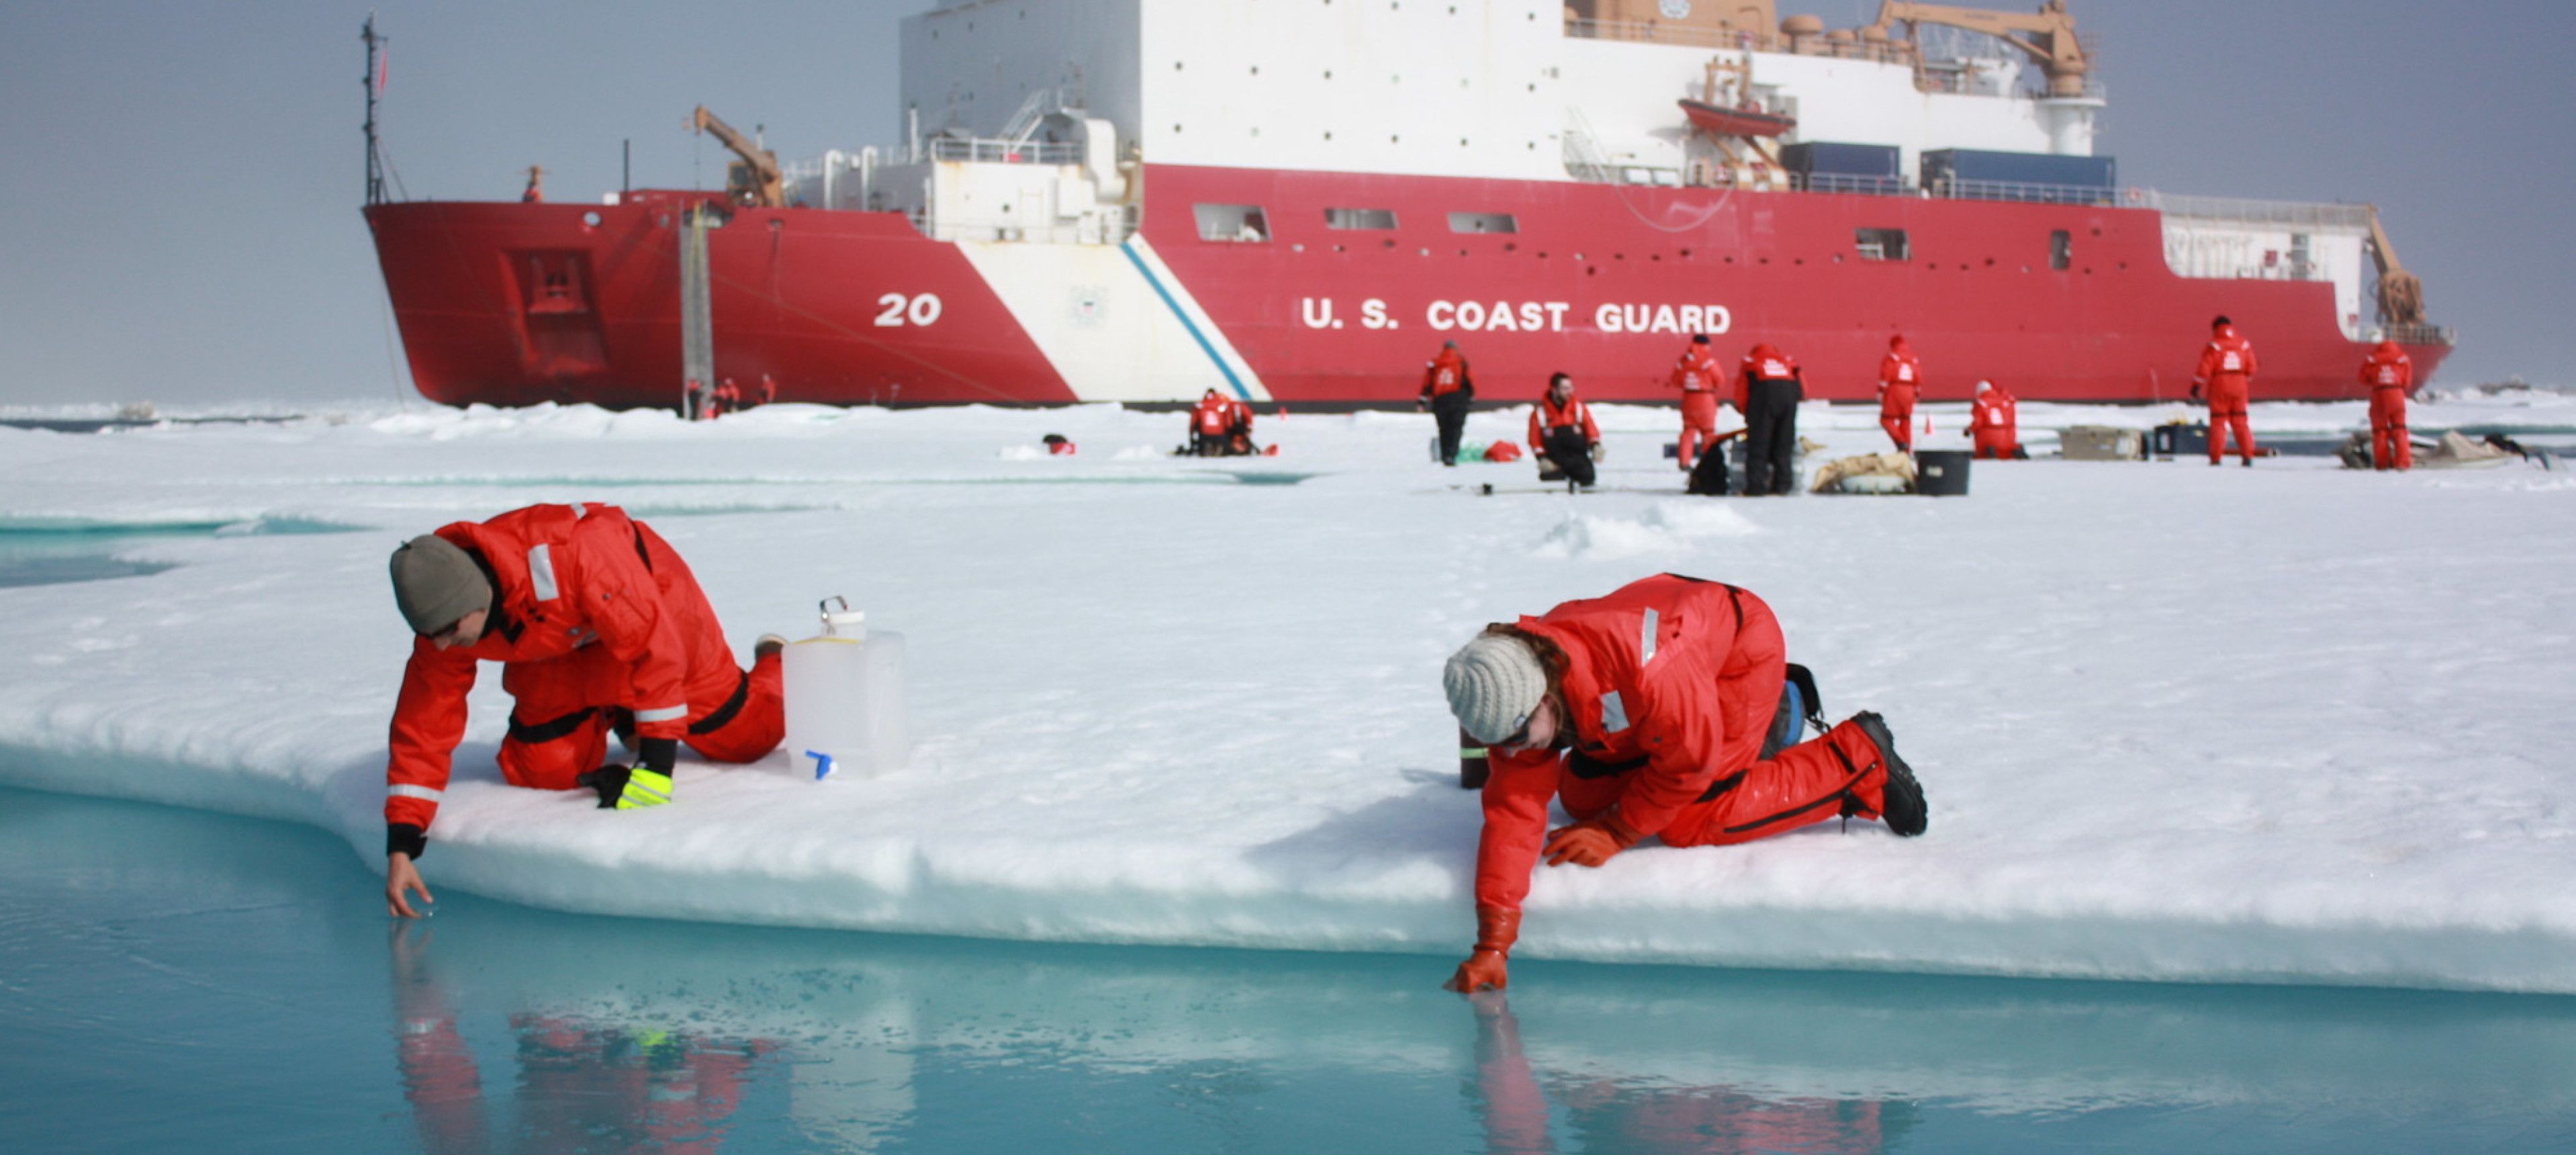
{"x": 1645, "y": 712}
{"x": 597, "y": 624}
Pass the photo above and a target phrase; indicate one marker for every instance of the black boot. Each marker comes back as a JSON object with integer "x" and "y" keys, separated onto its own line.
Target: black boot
{"x": 1904, "y": 811}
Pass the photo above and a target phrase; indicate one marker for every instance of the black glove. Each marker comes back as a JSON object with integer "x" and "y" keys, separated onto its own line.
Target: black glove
{"x": 609, "y": 781}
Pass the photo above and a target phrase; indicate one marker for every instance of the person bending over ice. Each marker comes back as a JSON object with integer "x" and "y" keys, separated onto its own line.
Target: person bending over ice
{"x": 597, "y": 623}
{"x": 1563, "y": 434}
{"x": 1645, "y": 712}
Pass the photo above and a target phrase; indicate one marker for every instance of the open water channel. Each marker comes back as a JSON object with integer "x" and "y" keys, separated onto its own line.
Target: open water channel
{"x": 173, "y": 980}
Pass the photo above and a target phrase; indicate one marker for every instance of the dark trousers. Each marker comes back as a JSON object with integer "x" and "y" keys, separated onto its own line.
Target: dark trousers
{"x": 1570, "y": 453}
{"x": 1450, "y": 410}
{"x": 1771, "y": 437}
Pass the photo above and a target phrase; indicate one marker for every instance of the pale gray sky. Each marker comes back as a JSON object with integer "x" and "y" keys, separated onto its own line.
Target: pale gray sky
{"x": 184, "y": 177}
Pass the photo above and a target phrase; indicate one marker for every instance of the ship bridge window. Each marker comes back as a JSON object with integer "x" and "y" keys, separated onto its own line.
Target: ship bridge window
{"x": 1483, "y": 223}
{"x": 1244, "y": 223}
{"x": 2061, "y": 249}
{"x": 1881, "y": 244}
{"x": 1359, "y": 218}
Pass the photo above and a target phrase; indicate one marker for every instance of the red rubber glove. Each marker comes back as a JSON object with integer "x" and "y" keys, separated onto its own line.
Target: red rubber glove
{"x": 1590, "y": 842}
{"x": 1485, "y": 970}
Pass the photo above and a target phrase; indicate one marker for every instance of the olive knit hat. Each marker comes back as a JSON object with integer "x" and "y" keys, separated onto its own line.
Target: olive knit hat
{"x": 1494, "y": 684}
{"x": 436, "y": 583}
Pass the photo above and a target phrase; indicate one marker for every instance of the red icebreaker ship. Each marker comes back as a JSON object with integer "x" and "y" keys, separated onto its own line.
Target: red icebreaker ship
{"x": 1140, "y": 200}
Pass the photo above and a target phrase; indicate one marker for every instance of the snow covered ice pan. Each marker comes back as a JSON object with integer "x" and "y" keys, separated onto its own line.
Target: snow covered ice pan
{"x": 1153, "y": 704}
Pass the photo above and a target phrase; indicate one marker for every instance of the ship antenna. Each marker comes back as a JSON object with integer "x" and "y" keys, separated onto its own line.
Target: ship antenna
{"x": 374, "y": 81}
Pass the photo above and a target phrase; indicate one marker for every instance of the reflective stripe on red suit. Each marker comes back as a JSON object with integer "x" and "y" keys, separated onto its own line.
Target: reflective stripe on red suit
{"x": 1681, "y": 677}
{"x": 1547, "y": 414}
{"x": 583, "y": 621}
{"x": 2390, "y": 373}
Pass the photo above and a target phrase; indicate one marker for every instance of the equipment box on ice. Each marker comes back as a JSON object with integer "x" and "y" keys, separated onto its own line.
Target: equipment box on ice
{"x": 2184, "y": 439}
{"x": 2101, "y": 443}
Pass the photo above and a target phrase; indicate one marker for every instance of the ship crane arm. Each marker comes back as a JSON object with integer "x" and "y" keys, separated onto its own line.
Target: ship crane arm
{"x": 2401, "y": 293}
{"x": 2051, "y": 33}
{"x": 758, "y": 181}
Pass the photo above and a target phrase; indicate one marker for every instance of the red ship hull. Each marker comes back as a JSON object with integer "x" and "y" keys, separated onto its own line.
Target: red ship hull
{"x": 514, "y": 304}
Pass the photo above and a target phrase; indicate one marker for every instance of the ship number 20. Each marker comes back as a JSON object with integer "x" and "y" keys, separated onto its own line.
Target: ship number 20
{"x": 902, "y": 310}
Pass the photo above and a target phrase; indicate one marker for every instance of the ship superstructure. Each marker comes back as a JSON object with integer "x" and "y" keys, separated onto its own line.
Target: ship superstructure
{"x": 1296, "y": 200}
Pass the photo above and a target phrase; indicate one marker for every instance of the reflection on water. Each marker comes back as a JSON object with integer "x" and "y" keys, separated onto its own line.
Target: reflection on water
{"x": 245, "y": 974}
{"x": 1610, "y": 1114}
{"x": 581, "y": 1082}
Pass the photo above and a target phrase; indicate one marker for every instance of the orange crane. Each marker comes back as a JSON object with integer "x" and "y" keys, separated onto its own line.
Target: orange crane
{"x": 754, "y": 181}
{"x": 2051, "y": 31}
{"x": 2401, "y": 293}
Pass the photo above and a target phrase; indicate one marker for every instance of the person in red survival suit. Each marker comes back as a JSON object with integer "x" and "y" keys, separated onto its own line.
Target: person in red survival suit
{"x": 1698, "y": 377}
{"x": 1900, "y": 378}
{"x": 1561, "y": 432}
{"x": 2226, "y": 375}
{"x": 768, "y": 389}
{"x": 1994, "y": 421}
{"x": 1768, "y": 387}
{"x": 2389, "y": 373}
{"x": 591, "y": 614}
{"x": 1645, "y": 712}
{"x": 1209, "y": 420}
{"x": 1448, "y": 389}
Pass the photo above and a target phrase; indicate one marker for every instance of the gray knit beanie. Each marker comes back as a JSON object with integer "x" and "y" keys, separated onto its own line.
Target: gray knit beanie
{"x": 436, "y": 583}
{"x": 1494, "y": 684}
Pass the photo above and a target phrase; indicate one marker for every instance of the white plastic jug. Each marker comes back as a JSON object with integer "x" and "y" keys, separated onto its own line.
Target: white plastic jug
{"x": 846, "y": 699}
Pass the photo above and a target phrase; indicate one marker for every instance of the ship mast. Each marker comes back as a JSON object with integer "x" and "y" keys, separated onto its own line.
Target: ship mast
{"x": 375, "y": 160}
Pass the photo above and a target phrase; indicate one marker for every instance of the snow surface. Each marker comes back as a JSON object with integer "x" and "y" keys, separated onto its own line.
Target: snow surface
{"x": 2293, "y": 723}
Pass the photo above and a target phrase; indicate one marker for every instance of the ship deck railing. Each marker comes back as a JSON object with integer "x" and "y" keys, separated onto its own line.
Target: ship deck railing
{"x": 2243, "y": 210}
{"x": 1835, "y": 182}
{"x": 2422, "y": 334}
{"x": 1746, "y": 40}
{"x": 2233, "y": 210}
{"x": 1956, "y": 190}
{"x": 989, "y": 151}
{"x": 1953, "y": 76}
{"x": 2026, "y": 191}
